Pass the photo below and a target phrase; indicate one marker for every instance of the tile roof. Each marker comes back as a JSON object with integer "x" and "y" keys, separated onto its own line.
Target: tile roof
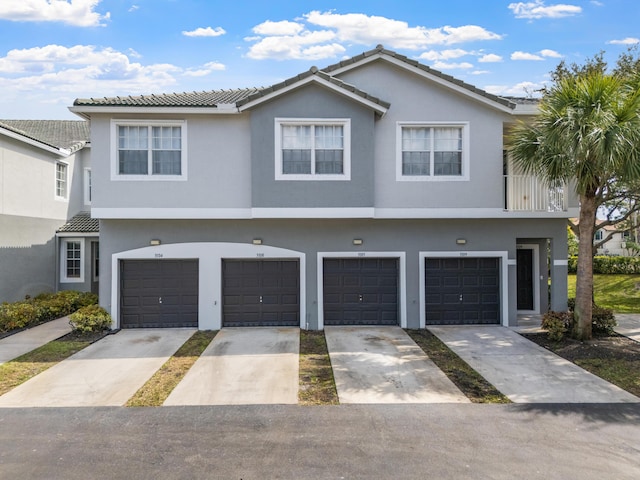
{"x": 321, "y": 74}
{"x": 67, "y": 134}
{"x": 241, "y": 97}
{"x": 81, "y": 223}
{"x": 380, "y": 50}
{"x": 211, "y": 98}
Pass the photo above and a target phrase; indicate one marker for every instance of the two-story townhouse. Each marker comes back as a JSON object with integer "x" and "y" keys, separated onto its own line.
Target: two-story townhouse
{"x": 373, "y": 192}
{"x": 45, "y": 176}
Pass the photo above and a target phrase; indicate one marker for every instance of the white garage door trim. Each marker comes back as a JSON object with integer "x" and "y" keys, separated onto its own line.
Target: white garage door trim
{"x": 209, "y": 255}
{"x": 504, "y": 278}
{"x": 402, "y": 275}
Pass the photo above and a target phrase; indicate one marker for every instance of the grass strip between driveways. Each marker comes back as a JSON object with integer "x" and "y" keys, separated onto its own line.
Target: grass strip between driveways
{"x": 161, "y": 384}
{"x": 316, "y": 382}
{"x": 470, "y": 382}
{"x": 21, "y": 369}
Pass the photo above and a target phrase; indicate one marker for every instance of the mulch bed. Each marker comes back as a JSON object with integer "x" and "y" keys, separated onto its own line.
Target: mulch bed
{"x": 612, "y": 347}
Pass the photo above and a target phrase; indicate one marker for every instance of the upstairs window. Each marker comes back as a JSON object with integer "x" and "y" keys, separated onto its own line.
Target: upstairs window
{"x": 313, "y": 149}
{"x": 61, "y": 180}
{"x": 151, "y": 151}
{"x": 432, "y": 152}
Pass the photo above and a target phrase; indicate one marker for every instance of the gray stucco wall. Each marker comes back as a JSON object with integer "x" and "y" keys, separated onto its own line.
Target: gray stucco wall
{"x": 313, "y": 236}
{"x": 27, "y": 256}
{"x": 316, "y": 103}
{"x": 218, "y": 167}
{"x": 416, "y": 99}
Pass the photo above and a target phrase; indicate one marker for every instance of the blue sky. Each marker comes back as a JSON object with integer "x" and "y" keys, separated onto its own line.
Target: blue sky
{"x": 53, "y": 51}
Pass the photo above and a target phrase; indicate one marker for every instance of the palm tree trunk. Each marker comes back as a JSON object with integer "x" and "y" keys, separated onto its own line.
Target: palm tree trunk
{"x": 584, "y": 278}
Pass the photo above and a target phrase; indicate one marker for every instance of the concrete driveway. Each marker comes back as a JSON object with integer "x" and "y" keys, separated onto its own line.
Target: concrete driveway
{"x": 524, "y": 371}
{"x": 20, "y": 343}
{"x": 244, "y": 366}
{"x": 106, "y": 373}
{"x": 384, "y": 365}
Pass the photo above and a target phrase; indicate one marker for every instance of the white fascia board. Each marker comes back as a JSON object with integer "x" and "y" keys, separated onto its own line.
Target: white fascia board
{"x": 63, "y": 152}
{"x": 319, "y": 80}
{"x": 171, "y": 213}
{"x": 77, "y": 234}
{"x": 85, "y": 112}
{"x": 418, "y": 71}
{"x": 479, "y": 213}
{"x": 346, "y": 212}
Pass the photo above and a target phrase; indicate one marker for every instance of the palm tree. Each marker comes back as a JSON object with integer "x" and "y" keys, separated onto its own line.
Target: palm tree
{"x": 587, "y": 134}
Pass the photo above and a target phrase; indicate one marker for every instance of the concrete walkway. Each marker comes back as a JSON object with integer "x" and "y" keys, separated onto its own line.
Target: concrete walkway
{"x": 106, "y": 373}
{"x": 524, "y": 371}
{"x": 244, "y": 366}
{"x": 22, "y": 342}
{"x": 384, "y": 365}
{"x": 628, "y": 325}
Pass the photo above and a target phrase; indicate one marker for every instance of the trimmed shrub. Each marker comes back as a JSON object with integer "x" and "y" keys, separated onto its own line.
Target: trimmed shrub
{"x": 43, "y": 308}
{"x": 18, "y": 315}
{"x": 557, "y": 324}
{"x": 92, "y": 318}
{"x": 607, "y": 265}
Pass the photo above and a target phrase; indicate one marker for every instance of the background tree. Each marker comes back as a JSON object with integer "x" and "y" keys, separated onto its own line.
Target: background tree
{"x": 587, "y": 134}
{"x": 619, "y": 207}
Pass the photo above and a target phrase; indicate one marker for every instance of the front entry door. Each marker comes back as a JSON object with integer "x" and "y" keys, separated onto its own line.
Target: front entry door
{"x": 524, "y": 261}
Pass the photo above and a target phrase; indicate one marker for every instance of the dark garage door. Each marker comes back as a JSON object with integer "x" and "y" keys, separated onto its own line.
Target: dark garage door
{"x": 360, "y": 291}
{"x": 460, "y": 291}
{"x": 260, "y": 293}
{"x": 159, "y": 293}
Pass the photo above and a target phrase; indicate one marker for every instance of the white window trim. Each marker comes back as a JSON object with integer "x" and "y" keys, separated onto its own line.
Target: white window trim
{"x": 346, "y": 159}
{"x": 87, "y": 186}
{"x": 433, "y": 178}
{"x": 149, "y": 177}
{"x": 66, "y": 181}
{"x": 63, "y": 261}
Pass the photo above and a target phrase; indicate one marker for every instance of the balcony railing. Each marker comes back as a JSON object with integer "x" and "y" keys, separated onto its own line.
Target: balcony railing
{"x": 530, "y": 194}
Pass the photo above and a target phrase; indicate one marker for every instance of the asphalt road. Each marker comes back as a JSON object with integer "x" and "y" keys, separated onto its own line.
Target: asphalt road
{"x": 453, "y": 441}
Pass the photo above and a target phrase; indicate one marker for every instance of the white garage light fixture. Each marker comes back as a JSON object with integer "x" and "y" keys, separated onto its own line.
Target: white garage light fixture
{"x": 461, "y": 241}
{"x": 357, "y": 241}
{"x": 257, "y": 241}
{"x": 155, "y": 241}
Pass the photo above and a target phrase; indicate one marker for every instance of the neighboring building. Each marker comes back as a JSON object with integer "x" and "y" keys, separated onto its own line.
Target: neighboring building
{"x": 616, "y": 245}
{"x": 44, "y": 172}
{"x": 372, "y": 192}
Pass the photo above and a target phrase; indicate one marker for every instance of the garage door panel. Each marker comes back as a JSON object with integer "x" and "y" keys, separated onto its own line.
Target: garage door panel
{"x": 360, "y": 291}
{"x": 462, "y": 291}
{"x": 158, "y": 293}
{"x": 261, "y": 292}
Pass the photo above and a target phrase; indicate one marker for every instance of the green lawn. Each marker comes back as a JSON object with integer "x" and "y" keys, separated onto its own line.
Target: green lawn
{"x": 621, "y": 293}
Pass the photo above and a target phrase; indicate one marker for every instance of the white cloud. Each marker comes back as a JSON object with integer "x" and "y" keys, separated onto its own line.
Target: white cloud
{"x": 205, "y": 70}
{"x": 205, "y": 32}
{"x": 625, "y": 41}
{"x": 56, "y": 72}
{"x": 522, "y": 89}
{"x": 452, "y": 66}
{"x": 525, "y": 56}
{"x": 307, "y": 45}
{"x": 490, "y": 58}
{"x": 371, "y": 30}
{"x": 133, "y": 8}
{"x": 480, "y": 72}
{"x": 550, "y": 53}
{"x": 79, "y": 13}
{"x": 537, "y": 9}
{"x": 299, "y": 40}
{"x": 433, "y": 55}
{"x": 278, "y": 28}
